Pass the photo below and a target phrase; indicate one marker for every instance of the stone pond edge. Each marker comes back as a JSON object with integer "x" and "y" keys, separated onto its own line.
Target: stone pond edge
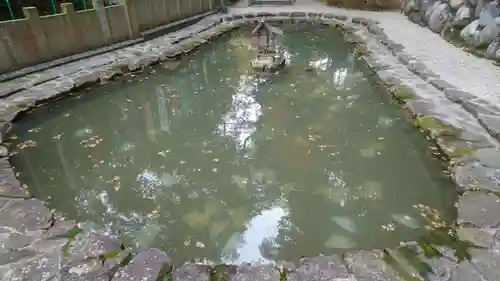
{"x": 37, "y": 236}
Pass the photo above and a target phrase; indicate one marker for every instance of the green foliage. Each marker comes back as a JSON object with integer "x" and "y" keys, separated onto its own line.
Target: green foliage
{"x": 71, "y": 235}
{"x": 402, "y": 94}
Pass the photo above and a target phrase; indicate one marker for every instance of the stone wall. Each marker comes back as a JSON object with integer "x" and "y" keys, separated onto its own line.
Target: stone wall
{"x": 477, "y": 22}
{"x": 36, "y": 39}
{"x": 38, "y": 245}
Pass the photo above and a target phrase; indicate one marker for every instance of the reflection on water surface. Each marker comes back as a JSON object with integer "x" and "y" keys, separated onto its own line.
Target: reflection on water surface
{"x": 212, "y": 161}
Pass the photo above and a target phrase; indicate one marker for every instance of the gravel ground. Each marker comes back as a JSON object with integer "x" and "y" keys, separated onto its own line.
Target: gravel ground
{"x": 475, "y": 75}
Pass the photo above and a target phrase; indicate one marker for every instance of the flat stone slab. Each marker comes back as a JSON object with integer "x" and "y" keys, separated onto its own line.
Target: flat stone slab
{"x": 93, "y": 245}
{"x": 192, "y": 272}
{"x": 476, "y": 176}
{"x": 320, "y": 268}
{"x": 479, "y": 209}
{"x": 369, "y": 266}
{"x": 43, "y": 267}
{"x": 147, "y": 265}
{"x": 23, "y": 215}
{"x": 9, "y": 185}
{"x": 256, "y": 272}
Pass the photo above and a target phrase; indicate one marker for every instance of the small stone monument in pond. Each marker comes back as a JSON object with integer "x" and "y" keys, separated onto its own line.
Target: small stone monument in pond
{"x": 268, "y": 57}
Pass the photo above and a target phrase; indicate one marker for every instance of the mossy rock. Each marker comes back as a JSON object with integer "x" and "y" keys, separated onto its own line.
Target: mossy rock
{"x": 403, "y": 93}
{"x": 434, "y": 127}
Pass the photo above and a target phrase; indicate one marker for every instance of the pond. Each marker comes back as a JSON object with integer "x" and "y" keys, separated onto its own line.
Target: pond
{"x": 204, "y": 159}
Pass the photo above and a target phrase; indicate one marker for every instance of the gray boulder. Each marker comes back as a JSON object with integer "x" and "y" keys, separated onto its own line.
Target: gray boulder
{"x": 410, "y": 6}
{"x": 469, "y": 33}
{"x": 428, "y": 9}
{"x": 463, "y": 16}
{"x": 471, "y": 3}
{"x": 455, "y": 4}
{"x": 484, "y": 6}
{"x": 439, "y": 17}
{"x": 489, "y": 33}
{"x": 489, "y": 13}
{"x": 493, "y": 51}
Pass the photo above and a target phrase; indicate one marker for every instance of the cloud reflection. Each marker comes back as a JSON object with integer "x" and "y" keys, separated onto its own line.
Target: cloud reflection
{"x": 258, "y": 242}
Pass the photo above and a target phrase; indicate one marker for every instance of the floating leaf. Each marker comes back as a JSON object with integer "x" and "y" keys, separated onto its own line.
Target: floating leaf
{"x": 339, "y": 242}
{"x": 216, "y": 228}
{"x": 406, "y": 220}
{"x": 346, "y": 223}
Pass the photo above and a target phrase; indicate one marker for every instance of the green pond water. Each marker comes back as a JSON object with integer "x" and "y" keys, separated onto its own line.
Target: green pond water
{"x": 209, "y": 160}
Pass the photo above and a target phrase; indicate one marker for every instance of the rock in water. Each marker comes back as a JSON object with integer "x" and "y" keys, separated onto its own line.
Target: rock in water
{"x": 346, "y": 223}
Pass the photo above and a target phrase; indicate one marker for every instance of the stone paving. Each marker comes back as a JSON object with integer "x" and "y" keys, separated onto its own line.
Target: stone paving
{"x": 38, "y": 245}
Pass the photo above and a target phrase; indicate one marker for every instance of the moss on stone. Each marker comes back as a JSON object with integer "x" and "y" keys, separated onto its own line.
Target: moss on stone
{"x": 459, "y": 153}
{"x": 402, "y": 93}
{"x": 433, "y": 126}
